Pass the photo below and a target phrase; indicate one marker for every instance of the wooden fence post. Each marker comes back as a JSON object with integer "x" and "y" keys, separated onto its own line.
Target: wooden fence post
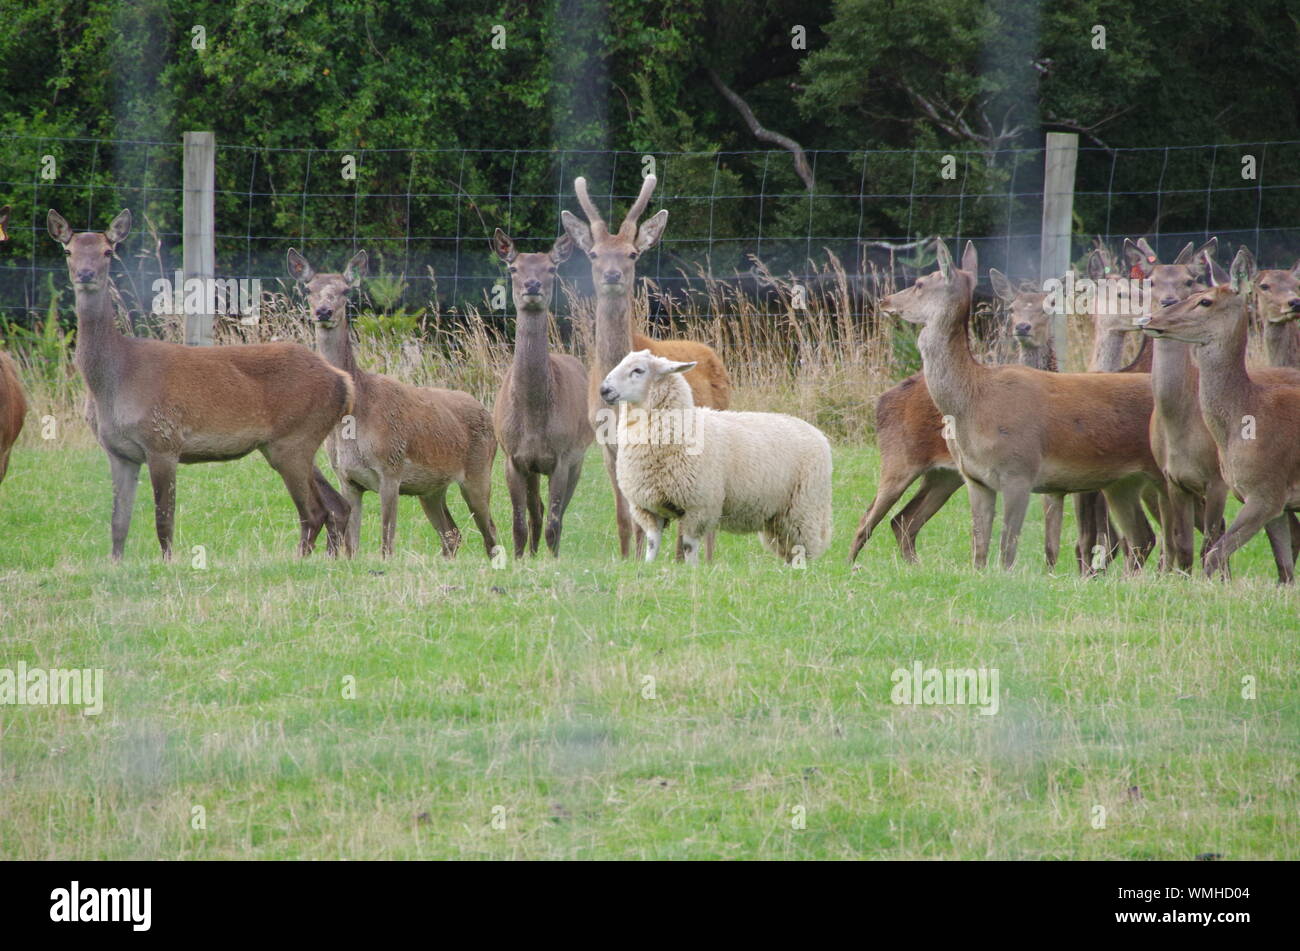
{"x": 1058, "y": 219}
{"x": 199, "y": 252}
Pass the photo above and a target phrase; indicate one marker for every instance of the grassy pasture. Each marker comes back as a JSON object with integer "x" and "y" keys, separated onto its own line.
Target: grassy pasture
{"x": 506, "y": 713}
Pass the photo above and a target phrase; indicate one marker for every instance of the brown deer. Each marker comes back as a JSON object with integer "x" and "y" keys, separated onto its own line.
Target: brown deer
{"x": 13, "y": 402}
{"x": 1276, "y": 296}
{"x": 1016, "y": 430}
{"x": 909, "y": 436}
{"x": 541, "y": 409}
{"x": 163, "y": 404}
{"x": 613, "y": 272}
{"x": 1253, "y": 424}
{"x": 401, "y": 439}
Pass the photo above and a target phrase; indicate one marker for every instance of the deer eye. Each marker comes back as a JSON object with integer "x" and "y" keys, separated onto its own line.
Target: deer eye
{"x": 550, "y": 270}
{"x": 514, "y": 270}
{"x": 1189, "y": 282}
{"x": 108, "y": 253}
{"x": 632, "y": 255}
{"x": 1263, "y": 287}
{"x": 592, "y": 255}
{"x": 1203, "y": 302}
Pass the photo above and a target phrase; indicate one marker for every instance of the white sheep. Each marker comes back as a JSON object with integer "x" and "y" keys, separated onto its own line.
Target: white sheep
{"x": 741, "y": 472}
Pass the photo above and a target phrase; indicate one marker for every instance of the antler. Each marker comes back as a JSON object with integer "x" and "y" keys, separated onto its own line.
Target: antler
{"x": 628, "y": 228}
{"x": 588, "y": 206}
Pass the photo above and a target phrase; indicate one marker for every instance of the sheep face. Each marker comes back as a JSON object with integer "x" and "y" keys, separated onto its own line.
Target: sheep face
{"x": 630, "y": 381}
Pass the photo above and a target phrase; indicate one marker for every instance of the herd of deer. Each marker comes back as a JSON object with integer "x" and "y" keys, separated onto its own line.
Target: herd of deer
{"x": 1171, "y": 433}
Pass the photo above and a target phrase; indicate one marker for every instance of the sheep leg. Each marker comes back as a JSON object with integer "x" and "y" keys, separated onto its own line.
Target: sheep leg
{"x": 654, "y": 532}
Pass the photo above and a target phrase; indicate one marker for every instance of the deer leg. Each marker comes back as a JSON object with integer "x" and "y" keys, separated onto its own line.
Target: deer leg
{"x": 435, "y": 510}
{"x": 162, "y": 475}
{"x": 1124, "y": 502}
{"x": 126, "y": 477}
{"x": 337, "y": 512}
{"x": 560, "y": 488}
{"x": 477, "y": 493}
{"x": 352, "y": 535}
{"x": 888, "y": 492}
{"x": 517, "y": 486}
{"x": 937, "y": 487}
{"x": 983, "y": 505}
{"x": 1085, "y": 514}
{"x": 1053, "y": 512}
{"x": 1279, "y": 538}
{"x": 621, "y": 514}
{"x": 1295, "y": 535}
{"x": 1176, "y": 529}
{"x": 389, "y": 489}
{"x": 1015, "y": 502}
{"x": 1254, "y": 514}
{"x": 1216, "y": 501}
{"x": 533, "y": 493}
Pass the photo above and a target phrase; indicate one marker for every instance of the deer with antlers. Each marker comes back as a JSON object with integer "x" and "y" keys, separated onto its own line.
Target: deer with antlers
{"x": 13, "y": 402}
{"x": 613, "y": 257}
{"x": 164, "y": 404}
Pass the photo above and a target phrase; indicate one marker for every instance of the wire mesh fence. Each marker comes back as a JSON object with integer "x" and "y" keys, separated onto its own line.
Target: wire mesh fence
{"x": 425, "y": 215}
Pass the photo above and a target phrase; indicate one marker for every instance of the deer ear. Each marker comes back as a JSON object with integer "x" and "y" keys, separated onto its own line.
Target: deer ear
{"x": 119, "y": 227}
{"x": 970, "y": 259}
{"x": 1139, "y": 255}
{"x": 1096, "y": 266}
{"x": 648, "y": 234}
{"x": 944, "y": 259}
{"x": 58, "y": 226}
{"x": 356, "y": 268}
{"x": 1001, "y": 286}
{"x": 1243, "y": 269}
{"x": 299, "y": 269}
{"x": 562, "y": 248}
{"x": 1295, "y": 271}
{"x": 1187, "y": 255}
{"x": 577, "y": 229}
{"x": 504, "y": 246}
{"x": 1211, "y": 272}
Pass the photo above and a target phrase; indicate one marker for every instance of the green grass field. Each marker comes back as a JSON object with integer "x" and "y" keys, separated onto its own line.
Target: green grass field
{"x": 507, "y": 713}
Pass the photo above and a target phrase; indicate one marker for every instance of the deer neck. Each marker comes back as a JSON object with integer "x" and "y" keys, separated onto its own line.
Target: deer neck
{"x": 335, "y": 345}
{"x": 952, "y": 374}
{"x": 1226, "y": 388}
{"x": 99, "y": 342}
{"x": 531, "y": 368}
{"x": 1107, "y": 352}
{"x": 1039, "y": 358}
{"x": 1282, "y": 344}
{"x": 1174, "y": 384}
{"x": 613, "y": 331}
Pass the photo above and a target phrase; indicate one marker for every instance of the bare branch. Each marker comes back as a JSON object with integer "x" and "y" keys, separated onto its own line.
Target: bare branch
{"x": 801, "y": 165}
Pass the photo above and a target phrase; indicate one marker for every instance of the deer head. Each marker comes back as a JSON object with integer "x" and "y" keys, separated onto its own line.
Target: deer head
{"x": 532, "y": 275}
{"x": 1276, "y": 292}
{"x": 327, "y": 294}
{"x": 1209, "y": 316}
{"x": 613, "y": 256}
{"x": 940, "y": 298}
{"x": 4, "y": 221}
{"x": 89, "y": 252}
{"x": 1171, "y": 283}
{"x": 1030, "y": 324}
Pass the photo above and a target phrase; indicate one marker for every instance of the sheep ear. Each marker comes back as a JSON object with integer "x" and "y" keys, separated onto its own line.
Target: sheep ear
{"x": 576, "y": 229}
{"x": 299, "y": 269}
{"x": 679, "y": 367}
{"x": 1001, "y": 286}
{"x": 944, "y": 259}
